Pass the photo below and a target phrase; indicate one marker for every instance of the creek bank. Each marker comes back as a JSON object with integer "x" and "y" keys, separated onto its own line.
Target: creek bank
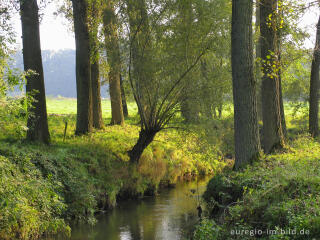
{"x": 278, "y": 194}
{"x": 72, "y": 180}
{"x": 171, "y": 214}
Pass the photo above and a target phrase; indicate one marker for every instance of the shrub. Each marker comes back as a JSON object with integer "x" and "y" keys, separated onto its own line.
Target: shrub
{"x": 29, "y": 204}
{"x": 206, "y": 230}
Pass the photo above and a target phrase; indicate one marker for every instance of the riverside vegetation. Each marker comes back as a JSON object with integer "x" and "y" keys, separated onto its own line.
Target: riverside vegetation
{"x": 279, "y": 194}
{"x": 43, "y": 188}
{"x": 222, "y": 87}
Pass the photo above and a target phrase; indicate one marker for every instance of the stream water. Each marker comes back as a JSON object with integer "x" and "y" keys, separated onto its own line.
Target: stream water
{"x": 171, "y": 215}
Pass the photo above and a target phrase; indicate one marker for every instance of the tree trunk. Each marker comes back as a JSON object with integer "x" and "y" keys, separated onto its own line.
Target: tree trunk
{"x": 190, "y": 110}
{"x": 95, "y": 74}
{"x": 273, "y": 134}
{"x": 283, "y": 117}
{"x": 37, "y": 113}
{"x": 96, "y": 96}
{"x": 247, "y": 143}
{"x": 124, "y": 99}
{"x": 258, "y": 61}
{"x": 206, "y": 106}
{"x": 220, "y": 110}
{"x": 113, "y": 55}
{"x": 314, "y": 88}
{"x": 83, "y": 67}
{"x": 145, "y": 138}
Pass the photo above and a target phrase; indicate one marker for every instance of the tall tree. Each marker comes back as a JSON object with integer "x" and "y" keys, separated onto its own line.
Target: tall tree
{"x": 314, "y": 88}
{"x": 37, "y": 112}
{"x": 124, "y": 99}
{"x": 83, "y": 67}
{"x": 280, "y": 37}
{"x": 189, "y": 106}
{"x": 113, "y": 55}
{"x": 157, "y": 84}
{"x": 257, "y": 60}
{"x": 273, "y": 122}
{"x": 247, "y": 143}
{"x": 141, "y": 76}
{"x": 95, "y": 75}
{"x": 141, "y": 52}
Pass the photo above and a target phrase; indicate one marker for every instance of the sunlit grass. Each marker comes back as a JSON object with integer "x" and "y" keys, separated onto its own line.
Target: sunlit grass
{"x": 69, "y": 106}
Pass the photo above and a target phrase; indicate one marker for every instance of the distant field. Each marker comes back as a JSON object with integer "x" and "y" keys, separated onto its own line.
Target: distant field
{"x": 69, "y": 106}
{"x": 294, "y": 116}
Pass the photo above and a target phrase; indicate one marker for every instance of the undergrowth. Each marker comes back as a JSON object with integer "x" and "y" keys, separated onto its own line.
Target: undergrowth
{"x": 276, "y": 198}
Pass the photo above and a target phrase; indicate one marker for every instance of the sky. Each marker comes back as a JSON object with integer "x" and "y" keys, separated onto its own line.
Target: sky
{"x": 309, "y": 22}
{"x": 55, "y": 31}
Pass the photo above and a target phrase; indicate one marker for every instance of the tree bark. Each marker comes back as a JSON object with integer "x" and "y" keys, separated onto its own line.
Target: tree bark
{"x": 258, "y": 60}
{"x": 37, "y": 113}
{"x": 96, "y": 96}
{"x": 283, "y": 117}
{"x": 273, "y": 128}
{"x": 124, "y": 99}
{"x": 83, "y": 67}
{"x": 145, "y": 138}
{"x": 314, "y": 88}
{"x": 95, "y": 74}
{"x": 113, "y": 55}
{"x": 247, "y": 143}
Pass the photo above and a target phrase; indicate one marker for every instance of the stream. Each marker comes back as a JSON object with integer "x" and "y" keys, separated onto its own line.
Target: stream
{"x": 170, "y": 215}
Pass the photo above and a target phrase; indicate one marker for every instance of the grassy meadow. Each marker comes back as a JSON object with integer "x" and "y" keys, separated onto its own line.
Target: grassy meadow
{"x": 63, "y": 105}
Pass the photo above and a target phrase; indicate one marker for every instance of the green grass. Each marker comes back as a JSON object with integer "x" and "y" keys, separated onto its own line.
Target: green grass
{"x": 69, "y": 106}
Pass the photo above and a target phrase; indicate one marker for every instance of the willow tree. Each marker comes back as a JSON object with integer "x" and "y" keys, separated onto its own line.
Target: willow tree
{"x": 157, "y": 77}
{"x": 272, "y": 104}
{"x": 110, "y": 26}
{"x": 83, "y": 67}
{"x": 124, "y": 99}
{"x": 315, "y": 87}
{"x": 247, "y": 143}
{"x": 37, "y": 113}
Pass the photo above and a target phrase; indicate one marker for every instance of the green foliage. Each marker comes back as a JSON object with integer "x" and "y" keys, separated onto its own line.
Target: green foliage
{"x": 206, "y": 230}
{"x": 279, "y": 193}
{"x": 13, "y": 110}
{"x": 13, "y": 114}
{"x": 296, "y": 76}
{"x": 29, "y": 203}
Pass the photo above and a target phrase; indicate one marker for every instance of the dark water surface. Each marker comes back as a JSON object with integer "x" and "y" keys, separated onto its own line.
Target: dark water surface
{"x": 169, "y": 216}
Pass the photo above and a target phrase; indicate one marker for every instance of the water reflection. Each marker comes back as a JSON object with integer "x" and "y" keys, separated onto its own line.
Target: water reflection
{"x": 167, "y": 216}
